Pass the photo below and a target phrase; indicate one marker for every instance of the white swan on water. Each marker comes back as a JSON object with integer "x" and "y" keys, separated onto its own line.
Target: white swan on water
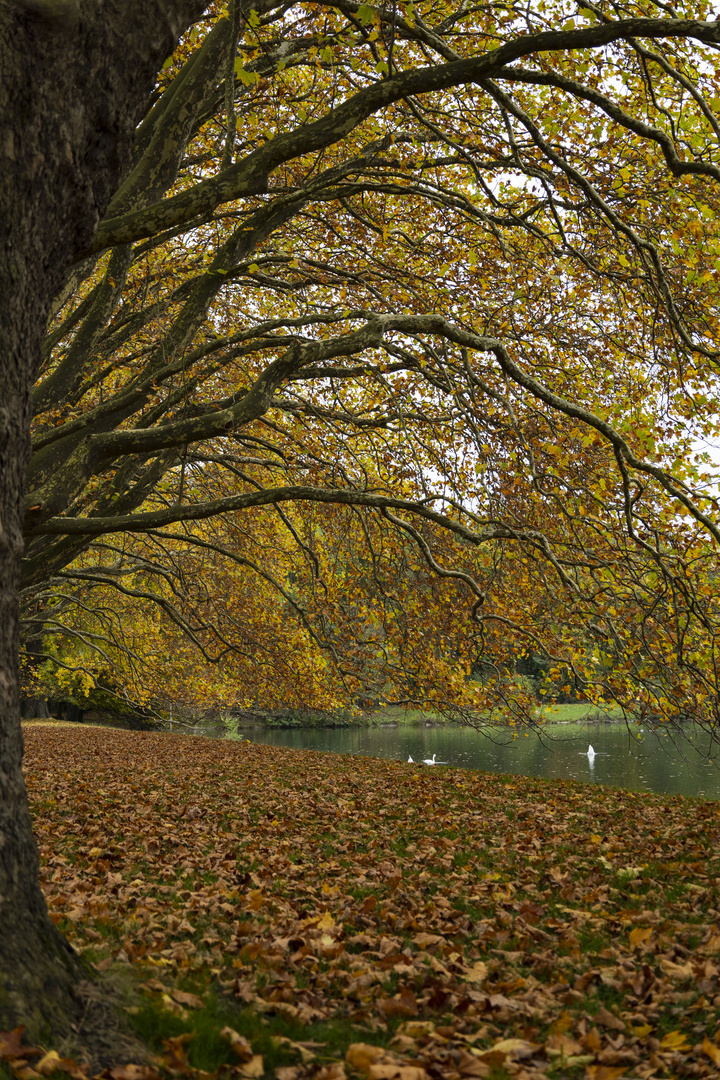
{"x": 427, "y": 761}
{"x": 410, "y": 760}
{"x": 590, "y": 753}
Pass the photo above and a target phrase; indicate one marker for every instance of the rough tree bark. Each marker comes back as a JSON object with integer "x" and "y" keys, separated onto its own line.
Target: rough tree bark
{"x": 75, "y": 78}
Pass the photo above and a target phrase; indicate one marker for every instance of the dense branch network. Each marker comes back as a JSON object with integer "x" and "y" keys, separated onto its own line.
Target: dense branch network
{"x": 408, "y": 317}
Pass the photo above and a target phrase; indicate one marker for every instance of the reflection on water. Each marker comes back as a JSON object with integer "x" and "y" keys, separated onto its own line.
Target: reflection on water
{"x": 637, "y": 760}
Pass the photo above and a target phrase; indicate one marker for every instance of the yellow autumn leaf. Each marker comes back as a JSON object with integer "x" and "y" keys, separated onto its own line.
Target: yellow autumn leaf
{"x": 563, "y": 1023}
{"x": 639, "y": 935}
{"x": 712, "y": 945}
{"x": 49, "y": 1063}
{"x": 416, "y": 1029}
{"x": 514, "y": 1048}
{"x": 712, "y": 1051}
{"x": 362, "y": 1056}
{"x": 674, "y": 1040}
{"x": 256, "y": 899}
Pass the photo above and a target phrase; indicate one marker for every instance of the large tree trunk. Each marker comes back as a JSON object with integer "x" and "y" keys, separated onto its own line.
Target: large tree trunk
{"x": 75, "y": 76}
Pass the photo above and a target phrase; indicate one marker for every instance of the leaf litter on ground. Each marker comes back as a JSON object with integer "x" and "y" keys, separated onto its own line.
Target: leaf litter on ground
{"x": 356, "y": 917}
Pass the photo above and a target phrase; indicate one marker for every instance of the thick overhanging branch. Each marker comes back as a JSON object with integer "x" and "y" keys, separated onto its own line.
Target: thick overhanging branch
{"x": 163, "y": 135}
{"x": 168, "y": 358}
{"x": 250, "y": 176}
{"x": 95, "y": 452}
{"x": 45, "y": 504}
{"x": 155, "y": 519}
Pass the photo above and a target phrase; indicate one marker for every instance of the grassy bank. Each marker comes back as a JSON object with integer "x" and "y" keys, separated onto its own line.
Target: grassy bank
{"x": 396, "y": 716}
{"x": 570, "y": 713}
{"x": 576, "y": 712}
{"x": 295, "y": 914}
{"x": 301, "y": 718}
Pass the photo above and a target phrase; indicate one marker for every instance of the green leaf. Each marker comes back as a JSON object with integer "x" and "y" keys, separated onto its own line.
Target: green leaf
{"x": 247, "y": 78}
{"x": 366, "y": 14}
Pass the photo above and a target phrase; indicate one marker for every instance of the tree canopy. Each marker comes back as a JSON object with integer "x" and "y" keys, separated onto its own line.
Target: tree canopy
{"x": 394, "y": 358}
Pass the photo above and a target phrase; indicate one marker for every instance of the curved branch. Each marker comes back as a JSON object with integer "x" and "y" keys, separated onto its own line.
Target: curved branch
{"x": 155, "y": 519}
{"x": 250, "y": 176}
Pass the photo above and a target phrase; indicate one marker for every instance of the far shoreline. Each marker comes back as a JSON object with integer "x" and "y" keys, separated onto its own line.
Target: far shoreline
{"x": 229, "y": 725}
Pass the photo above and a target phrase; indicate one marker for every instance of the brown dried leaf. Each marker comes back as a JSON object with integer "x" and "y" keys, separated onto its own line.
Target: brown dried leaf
{"x": 477, "y": 973}
{"x": 182, "y": 997}
{"x": 562, "y": 1045}
{"x": 604, "y": 1072}
{"x": 11, "y": 1045}
{"x": 361, "y": 1056}
{"x": 134, "y": 1072}
{"x": 469, "y": 1065}
{"x": 402, "y": 1004}
{"x": 253, "y": 1068}
{"x": 609, "y": 1020}
{"x": 396, "y": 1072}
{"x": 515, "y": 1049}
{"x": 335, "y": 1071}
{"x": 424, "y": 940}
{"x": 238, "y": 1044}
{"x": 52, "y": 1062}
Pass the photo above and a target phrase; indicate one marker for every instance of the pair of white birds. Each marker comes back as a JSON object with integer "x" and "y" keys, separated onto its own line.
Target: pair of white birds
{"x": 427, "y": 761}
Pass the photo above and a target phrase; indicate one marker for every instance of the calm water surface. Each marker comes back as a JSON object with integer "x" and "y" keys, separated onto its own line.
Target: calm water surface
{"x": 643, "y": 761}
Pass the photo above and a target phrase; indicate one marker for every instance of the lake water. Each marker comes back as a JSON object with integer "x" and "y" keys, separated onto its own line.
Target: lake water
{"x": 641, "y": 761}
